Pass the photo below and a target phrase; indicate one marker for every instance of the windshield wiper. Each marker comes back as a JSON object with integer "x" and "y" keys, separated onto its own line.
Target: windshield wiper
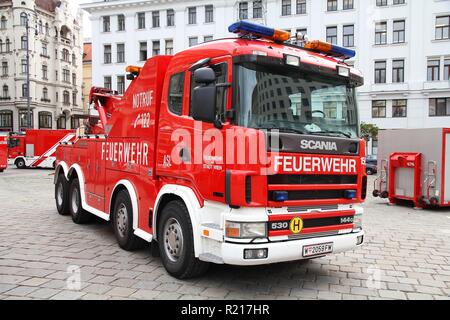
{"x": 331, "y": 132}
{"x": 285, "y": 130}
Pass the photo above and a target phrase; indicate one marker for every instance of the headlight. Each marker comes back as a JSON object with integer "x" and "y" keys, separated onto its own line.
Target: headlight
{"x": 245, "y": 230}
{"x": 357, "y": 222}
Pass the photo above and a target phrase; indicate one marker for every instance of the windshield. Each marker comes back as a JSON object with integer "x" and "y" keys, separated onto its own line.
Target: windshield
{"x": 283, "y": 98}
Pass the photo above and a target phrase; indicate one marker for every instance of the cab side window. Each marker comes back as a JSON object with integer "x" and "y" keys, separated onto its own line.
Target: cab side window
{"x": 221, "y": 71}
{"x": 176, "y": 91}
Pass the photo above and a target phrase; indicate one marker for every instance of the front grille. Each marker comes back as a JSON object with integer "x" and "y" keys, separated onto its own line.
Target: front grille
{"x": 305, "y": 209}
{"x": 290, "y": 179}
{"x": 317, "y": 223}
{"x": 312, "y": 235}
{"x": 313, "y": 195}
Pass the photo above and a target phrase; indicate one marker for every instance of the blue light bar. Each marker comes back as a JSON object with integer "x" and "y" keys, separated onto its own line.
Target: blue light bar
{"x": 344, "y": 52}
{"x": 258, "y": 30}
{"x": 280, "y": 196}
{"x": 350, "y": 194}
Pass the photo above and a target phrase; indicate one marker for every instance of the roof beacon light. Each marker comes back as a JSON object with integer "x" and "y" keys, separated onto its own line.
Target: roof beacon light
{"x": 330, "y": 49}
{"x": 244, "y": 28}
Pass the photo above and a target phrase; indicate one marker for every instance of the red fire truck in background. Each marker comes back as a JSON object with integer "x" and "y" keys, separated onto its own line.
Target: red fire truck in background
{"x": 36, "y": 148}
{"x": 3, "y": 152}
{"x": 145, "y": 161}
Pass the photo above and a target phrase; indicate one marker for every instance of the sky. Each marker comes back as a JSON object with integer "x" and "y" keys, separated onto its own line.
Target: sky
{"x": 74, "y": 4}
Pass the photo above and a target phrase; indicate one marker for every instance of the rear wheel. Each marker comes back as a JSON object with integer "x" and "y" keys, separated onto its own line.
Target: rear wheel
{"x": 62, "y": 195}
{"x": 122, "y": 220}
{"x": 79, "y": 216}
{"x": 176, "y": 242}
{"x": 20, "y": 164}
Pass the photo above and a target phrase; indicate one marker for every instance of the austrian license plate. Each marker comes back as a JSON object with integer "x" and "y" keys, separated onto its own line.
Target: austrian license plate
{"x": 317, "y": 249}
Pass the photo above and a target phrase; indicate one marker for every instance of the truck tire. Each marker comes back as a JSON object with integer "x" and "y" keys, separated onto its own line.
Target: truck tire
{"x": 20, "y": 164}
{"x": 122, "y": 220}
{"x": 79, "y": 216}
{"x": 176, "y": 243}
{"x": 62, "y": 195}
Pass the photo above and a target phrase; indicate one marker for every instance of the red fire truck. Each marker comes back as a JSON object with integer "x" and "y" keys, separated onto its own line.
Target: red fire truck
{"x": 3, "y": 152}
{"x": 36, "y": 148}
{"x": 146, "y": 161}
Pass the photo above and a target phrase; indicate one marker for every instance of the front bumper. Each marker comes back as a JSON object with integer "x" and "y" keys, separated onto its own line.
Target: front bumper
{"x": 285, "y": 251}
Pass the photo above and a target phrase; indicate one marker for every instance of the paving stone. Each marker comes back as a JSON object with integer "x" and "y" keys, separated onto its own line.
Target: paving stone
{"x": 120, "y": 292}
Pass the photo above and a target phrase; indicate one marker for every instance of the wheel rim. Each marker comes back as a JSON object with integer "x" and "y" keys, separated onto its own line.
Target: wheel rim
{"x": 75, "y": 200}
{"x": 122, "y": 220}
{"x": 173, "y": 240}
{"x": 59, "y": 194}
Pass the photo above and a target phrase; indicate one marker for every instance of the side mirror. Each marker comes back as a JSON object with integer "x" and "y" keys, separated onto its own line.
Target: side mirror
{"x": 204, "y": 103}
{"x": 204, "y": 75}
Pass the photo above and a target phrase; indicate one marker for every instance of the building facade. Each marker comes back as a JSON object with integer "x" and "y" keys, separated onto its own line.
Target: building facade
{"x": 403, "y": 46}
{"x": 87, "y": 73}
{"x": 55, "y": 65}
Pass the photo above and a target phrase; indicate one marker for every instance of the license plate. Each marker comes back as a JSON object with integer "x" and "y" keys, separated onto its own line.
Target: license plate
{"x": 317, "y": 249}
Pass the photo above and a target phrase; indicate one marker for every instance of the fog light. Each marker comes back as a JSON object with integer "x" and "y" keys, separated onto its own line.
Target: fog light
{"x": 359, "y": 240}
{"x": 350, "y": 194}
{"x": 343, "y": 71}
{"x": 256, "y": 254}
{"x": 280, "y": 196}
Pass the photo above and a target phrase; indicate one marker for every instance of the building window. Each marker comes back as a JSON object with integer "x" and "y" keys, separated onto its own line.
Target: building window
{"x": 23, "y": 43}
{"x": 61, "y": 123}
{"x": 121, "y": 22}
{"x": 381, "y": 3}
{"x": 3, "y": 23}
{"x": 5, "y": 92}
{"x": 286, "y": 7}
{"x": 65, "y": 55}
{"x": 169, "y": 47}
{"x": 44, "y": 49}
{"x": 24, "y": 90}
{"x": 447, "y": 69}
{"x": 192, "y": 15}
{"x": 399, "y": 31}
{"x": 6, "y": 120}
{"x": 442, "y": 27}
{"x": 243, "y": 10}
{"x": 208, "y": 38}
{"x": 176, "y": 90}
{"x": 303, "y": 31}
{"x": 380, "y": 72}
{"x": 398, "y": 71}
{"x": 381, "y": 33}
{"x": 349, "y": 36}
{"x": 379, "y": 109}
{"x": 398, "y": 2}
{"x": 156, "y": 48}
{"x": 209, "y": 14}
{"x": 155, "y": 19}
{"x": 106, "y": 24}
{"x": 120, "y": 84}
{"x": 24, "y": 65}
{"x": 120, "y": 53}
{"x": 75, "y": 98}
{"x": 107, "y": 54}
{"x": 44, "y": 72}
{"x": 23, "y": 19}
{"x": 23, "y": 120}
{"x": 5, "y": 69}
{"x": 332, "y": 35}
{"x": 170, "y": 18}
{"x": 193, "y": 41}
{"x": 399, "y": 108}
{"x": 8, "y": 45}
{"x": 107, "y": 83}
{"x": 66, "y": 98}
{"x": 143, "y": 53}
{"x": 45, "y": 120}
{"x": 348, "y": 5}
{"x": 45, "y": 95}
{"x": 332, "y": 5}
{"x": 74, "y": 122}
{"x": 440, "y": 107}
{"x": 374, "y": 147}
{"x": 257, "y": 9}
{"x": 300, "y": 6}
{"x": 66, "y": 75}
{"x": 433, "y": 70}
{"x": 141, "y": 20}
{"x": 74, "y": 79}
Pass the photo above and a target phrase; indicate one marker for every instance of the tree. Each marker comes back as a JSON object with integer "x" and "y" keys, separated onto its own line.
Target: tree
{"x": 369, "y": 131}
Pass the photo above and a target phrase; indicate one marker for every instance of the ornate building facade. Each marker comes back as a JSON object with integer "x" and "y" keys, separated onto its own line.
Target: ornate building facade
{"x": 55, "y": 65}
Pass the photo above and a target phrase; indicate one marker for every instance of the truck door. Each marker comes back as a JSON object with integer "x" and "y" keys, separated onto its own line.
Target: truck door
{"x": 100, "y": 171}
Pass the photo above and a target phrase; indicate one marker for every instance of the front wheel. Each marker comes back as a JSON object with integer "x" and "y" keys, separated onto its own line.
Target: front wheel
{"x": 176, "y": 243}
{"x": 20, "y": 164}
{"x": 62, "y": 195}
{"x": 79, "y": 216}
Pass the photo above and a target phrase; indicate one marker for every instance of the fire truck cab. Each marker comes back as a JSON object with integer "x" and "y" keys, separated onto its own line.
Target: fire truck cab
{"x": 164, "y": 161}
{"x": 3, "y": 152}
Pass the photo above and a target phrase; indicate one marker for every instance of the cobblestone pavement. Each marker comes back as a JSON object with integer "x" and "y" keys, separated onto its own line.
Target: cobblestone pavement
{"x": 42, "y": 254}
